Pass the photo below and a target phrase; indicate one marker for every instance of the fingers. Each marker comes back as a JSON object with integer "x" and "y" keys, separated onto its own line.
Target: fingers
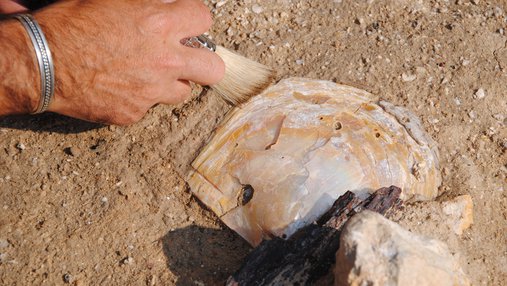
{"x": 10, "y": 6}
{"x": 191, "y": 17}
{"x": 179, "y": 92}
{"x": 202, "y": 66}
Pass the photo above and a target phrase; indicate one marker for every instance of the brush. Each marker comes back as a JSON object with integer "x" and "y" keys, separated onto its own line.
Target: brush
{"x": 243, "y": 77}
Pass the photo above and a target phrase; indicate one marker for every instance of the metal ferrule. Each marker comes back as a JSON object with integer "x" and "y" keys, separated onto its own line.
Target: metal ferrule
{"x": 201, "y": 42}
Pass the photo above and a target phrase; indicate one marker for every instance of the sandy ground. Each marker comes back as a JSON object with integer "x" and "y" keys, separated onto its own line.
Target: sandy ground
{"x": 87, "y": 204}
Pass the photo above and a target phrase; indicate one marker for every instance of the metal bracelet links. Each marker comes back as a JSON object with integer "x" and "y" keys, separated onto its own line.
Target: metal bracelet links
{"x": 44, "y": 58}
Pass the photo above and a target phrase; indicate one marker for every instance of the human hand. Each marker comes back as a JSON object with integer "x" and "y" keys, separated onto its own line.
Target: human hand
{"x": 114, "y": 60}
{"x": 10, "y": 6}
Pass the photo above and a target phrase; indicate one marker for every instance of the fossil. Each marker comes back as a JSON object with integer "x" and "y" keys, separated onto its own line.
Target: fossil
{"x": 279, "y": 161}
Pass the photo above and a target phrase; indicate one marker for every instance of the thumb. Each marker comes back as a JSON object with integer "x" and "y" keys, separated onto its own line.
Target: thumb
{"x": 9, "y": 7}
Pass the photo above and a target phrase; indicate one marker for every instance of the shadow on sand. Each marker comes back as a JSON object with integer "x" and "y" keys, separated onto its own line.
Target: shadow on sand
{"x": 203, "y": 255}
{"x": 48, "y": 122}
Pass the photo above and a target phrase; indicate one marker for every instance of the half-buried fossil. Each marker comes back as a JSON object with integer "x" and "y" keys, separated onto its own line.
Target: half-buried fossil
{"x": 279, "y": 161}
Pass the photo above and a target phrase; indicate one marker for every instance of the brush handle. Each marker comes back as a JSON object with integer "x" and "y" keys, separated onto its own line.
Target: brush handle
{"x": 200, "y": 42}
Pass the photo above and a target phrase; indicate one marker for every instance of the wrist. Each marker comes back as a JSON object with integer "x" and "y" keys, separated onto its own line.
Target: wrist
{"x": 19, "y": 75}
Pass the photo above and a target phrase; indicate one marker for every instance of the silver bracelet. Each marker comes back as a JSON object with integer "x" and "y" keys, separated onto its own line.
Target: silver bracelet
{"x": 46, "y": 69}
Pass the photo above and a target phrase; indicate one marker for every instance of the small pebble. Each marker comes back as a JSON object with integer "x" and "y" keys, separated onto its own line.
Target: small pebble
{"x": 300, "y": 62}
{"x": 479, "y": 94}
{"x": 220, "y": 4}
{"x": 257, "y": 9}
{"x": 500, "y": 117}
{"x": 21, "y": 146}
{"x": 67, "y": 278}
{"x": 71, "y": 151}
{"x": 127, "y": 260}
{"x": 408, "y": 77}
{"x": 4, "y": 243}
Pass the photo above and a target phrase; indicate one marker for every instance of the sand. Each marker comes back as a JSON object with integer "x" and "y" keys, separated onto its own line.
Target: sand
{"x": 87, "y": 204}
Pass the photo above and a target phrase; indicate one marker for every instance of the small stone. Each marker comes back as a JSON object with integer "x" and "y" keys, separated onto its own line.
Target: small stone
{"x": 300, "y": 62}
{"x": 104, "y": 201}
{"x": 472, "y": 114}
{"x": 376, "y": 251}
{"x": 479, "y": 94}
{"x": 230, "y": 32}
{"x": 4, "y": 243}
{"x": 21, "y": 146}
{"x": 67, "y": 278}
{"x": 499, "y": 117}
{"x": 460, "y": 212}
{"x": 127, "y": 260}
{"x": 406, "y": 77}
{"x": 220, "y": 4}
{"x": 257, "y": 9}
{"x": 71, "y": 151}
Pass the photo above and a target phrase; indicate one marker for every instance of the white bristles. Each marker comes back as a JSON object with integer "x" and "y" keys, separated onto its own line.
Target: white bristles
{"x": 243, "y": 78}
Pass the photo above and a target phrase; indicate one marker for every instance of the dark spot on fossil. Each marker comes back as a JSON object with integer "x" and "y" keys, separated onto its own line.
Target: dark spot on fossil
{"x": 246, "y": 195}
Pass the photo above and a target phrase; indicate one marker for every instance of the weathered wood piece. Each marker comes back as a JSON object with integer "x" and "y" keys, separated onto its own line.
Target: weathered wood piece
{"x": 309, "y": 253}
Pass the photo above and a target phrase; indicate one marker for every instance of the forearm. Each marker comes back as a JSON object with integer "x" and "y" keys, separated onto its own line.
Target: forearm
{"x": 19, "y": 81}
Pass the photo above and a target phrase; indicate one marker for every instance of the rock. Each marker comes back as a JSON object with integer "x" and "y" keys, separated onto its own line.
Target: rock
{"x": 406, "y": 77}
{"x": 67, "y": 278}
{"x": 127, "y": 260}
{"x": 460, "y": 210}
{"x": 220, "y": 4}
{"x": 257, "y": 9}
{"x": 480, "y": 94}
{"x": 20, "y": 146}
{"x": 376, "y": 251}
{"x": 4, "y": 243}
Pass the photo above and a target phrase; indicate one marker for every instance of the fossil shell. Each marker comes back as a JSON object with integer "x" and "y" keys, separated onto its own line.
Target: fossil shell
{"x": 278, "y": 162}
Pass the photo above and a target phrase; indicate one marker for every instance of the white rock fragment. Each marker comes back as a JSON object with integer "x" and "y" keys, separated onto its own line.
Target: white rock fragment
{"x": 300, "y": 62}
{"x": 480, "y": 94}
{"x": 20, "y": 146}
{"x": 220, "y": 4}
{"x": 127, "y": 260}
{"x": 4, "y": 243}
{"x": 406, "y": 77}
{"x": 257, "y": 9}
{"x": 499, "y": 117}
{"x": 460, "y": 212}
{"x": 376, "y": 251}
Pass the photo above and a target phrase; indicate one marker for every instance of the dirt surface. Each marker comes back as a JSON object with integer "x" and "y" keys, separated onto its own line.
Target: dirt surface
{"x": 88, "y": 204}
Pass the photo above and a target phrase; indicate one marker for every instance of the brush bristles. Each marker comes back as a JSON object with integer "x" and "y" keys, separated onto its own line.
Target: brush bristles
{"x": 243, "y": 78}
